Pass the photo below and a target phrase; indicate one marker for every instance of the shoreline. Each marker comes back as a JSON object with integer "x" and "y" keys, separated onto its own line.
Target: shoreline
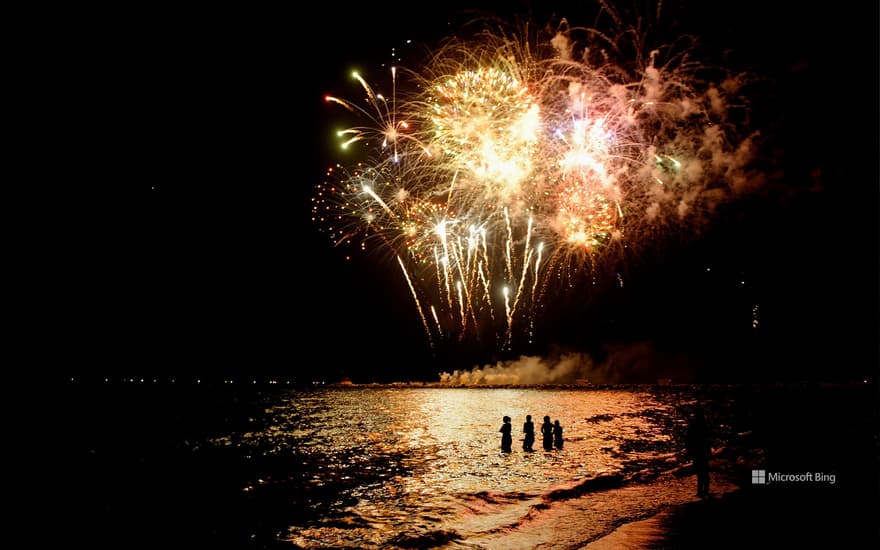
{"x": 785, "y": 516}
{"x": 675, "y": 527}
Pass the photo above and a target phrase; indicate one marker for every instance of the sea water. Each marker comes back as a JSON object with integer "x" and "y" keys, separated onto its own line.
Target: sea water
{"x": 418, "y": 467}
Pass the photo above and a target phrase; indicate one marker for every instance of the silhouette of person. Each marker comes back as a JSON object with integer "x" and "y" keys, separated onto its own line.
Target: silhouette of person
{"x": 557, "y": 435}
{"x": 529, "y": 431}
{"x": 547, "y": 432}
{"x": 506, "y": 437}
{"x": 699, "y": 450}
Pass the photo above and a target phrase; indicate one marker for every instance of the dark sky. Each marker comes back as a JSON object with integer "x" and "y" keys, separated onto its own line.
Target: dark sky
{"x": 235, "y": 279}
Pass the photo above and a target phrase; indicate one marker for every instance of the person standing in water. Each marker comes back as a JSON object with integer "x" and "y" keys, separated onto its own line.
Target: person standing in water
{"x": 506, "y": 436}
{"x": 529, "y": 434}
{"x": 557, "y": 435}
{"x": 699, "y": 448}
{"x": 547, "y": 432}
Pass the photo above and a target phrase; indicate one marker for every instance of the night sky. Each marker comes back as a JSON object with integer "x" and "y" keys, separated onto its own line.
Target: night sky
{"x": 236, "y": 280}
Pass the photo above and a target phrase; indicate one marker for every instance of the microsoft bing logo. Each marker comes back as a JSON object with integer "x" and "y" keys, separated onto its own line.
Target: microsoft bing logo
{"x": 763, "y": 477}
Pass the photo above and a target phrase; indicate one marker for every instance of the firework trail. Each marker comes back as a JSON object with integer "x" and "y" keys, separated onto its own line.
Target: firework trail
{"x": 513, "y": 166}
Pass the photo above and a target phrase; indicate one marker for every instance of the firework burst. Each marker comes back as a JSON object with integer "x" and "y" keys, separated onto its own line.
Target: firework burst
{"x": 513, "y": 165}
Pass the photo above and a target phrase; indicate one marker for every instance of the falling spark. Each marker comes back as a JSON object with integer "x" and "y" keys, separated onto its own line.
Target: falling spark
{"x": 416, "y": 298}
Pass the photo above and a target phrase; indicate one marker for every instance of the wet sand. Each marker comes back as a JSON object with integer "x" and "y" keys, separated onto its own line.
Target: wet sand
{"x": 760, "y": 516}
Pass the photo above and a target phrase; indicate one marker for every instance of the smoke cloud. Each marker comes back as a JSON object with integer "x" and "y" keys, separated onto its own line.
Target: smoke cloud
{"x": 632, "y": 363}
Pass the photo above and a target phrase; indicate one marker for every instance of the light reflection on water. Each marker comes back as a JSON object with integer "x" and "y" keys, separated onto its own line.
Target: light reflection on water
{"x": 380, "y": 463}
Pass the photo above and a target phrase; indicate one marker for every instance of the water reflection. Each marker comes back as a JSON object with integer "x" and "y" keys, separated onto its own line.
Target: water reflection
{"x": 377, "y": 461}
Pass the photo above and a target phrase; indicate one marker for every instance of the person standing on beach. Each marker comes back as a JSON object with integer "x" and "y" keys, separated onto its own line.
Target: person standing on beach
{"x": 699, "y": 450}
{"x": 506, "y": 436}
{"x": 557, "y": 435}
{"x": 529, "y": 431}
{"x": 547, "y": 432}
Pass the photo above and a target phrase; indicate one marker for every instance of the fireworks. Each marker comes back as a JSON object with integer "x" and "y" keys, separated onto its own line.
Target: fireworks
{"x": 511, "y": 167}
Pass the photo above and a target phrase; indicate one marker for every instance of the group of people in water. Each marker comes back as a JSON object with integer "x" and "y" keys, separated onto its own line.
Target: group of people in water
{"x": 551, "y": 434}
{"x": 697, "y": 442}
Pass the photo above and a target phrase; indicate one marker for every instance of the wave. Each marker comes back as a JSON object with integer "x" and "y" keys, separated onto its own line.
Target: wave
{"x": 585, "y": 486}
{"x": 490, "y": 497}
{"x": 430, "y": 539}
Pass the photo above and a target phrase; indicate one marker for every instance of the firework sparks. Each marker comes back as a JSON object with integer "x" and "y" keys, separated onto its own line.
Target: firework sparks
{"x": 511, "y": 166}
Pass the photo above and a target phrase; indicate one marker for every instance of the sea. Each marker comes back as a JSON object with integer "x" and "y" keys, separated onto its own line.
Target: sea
{"x": 149, "y": 463}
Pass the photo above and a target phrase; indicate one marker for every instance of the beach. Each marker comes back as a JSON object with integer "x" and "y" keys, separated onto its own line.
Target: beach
{"x": 754, "y": 519}
{"x": 222, "y": 468}
{"x": 816, "y": 485}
